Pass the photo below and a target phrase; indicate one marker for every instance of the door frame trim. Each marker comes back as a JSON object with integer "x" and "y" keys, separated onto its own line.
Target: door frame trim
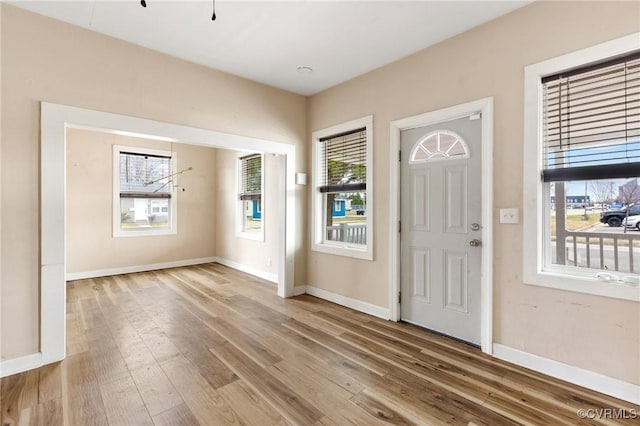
{"x": 485, "y": 107}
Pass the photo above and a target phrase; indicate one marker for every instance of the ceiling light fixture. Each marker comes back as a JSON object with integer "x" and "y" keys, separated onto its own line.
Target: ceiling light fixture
{"x": 143, "y": 3}
{"x": 303, "y": 69}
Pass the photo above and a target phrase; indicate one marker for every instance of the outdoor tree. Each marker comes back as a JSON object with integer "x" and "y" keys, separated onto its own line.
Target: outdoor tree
{"x": 602, "y": 191}
{"x": 356, "y": 200}
{"x": 345, "y": 172}
{"x": 629, "y": 193}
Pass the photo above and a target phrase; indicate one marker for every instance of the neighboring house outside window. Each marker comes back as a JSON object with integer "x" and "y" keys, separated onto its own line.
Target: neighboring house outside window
{"x": 144, "y": 203}
{"x": 250, "y": 196}
{"x": 343, "y": 189}
{"x": 582, "y": 164}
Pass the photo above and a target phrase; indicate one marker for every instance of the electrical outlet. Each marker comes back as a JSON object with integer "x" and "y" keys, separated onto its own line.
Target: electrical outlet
{"x": 509, "y": 216}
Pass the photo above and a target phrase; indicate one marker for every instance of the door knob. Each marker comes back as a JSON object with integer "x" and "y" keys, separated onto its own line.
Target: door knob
{"x": 475, "y": 243}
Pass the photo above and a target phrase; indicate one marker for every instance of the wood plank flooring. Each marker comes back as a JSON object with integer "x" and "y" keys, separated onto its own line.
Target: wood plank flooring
{"x": 210, "y": 345}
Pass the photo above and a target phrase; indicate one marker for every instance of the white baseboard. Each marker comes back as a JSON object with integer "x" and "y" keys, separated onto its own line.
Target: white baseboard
{"x": 9, "y": 367}
{"x": 578, "y": 376}
{"x": 358, "y": 305}
{"x": 248, "y": 269}
{"x": 71, "y": 276}
{"x": 300, "y": 289}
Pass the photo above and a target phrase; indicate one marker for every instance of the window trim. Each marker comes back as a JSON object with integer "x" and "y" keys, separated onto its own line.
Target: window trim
{"x": 534, "y": 217}
{"x": 117, "y": 230}
{"x": 338, "y": 248}
{"x": 240, "y": 232}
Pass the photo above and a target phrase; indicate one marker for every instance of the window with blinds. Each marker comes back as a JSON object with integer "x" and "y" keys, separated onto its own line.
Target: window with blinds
{"x": 343, "y": 190}
{"x": 144, "y": 175}
{"x": 591, "y": 121}
{"x": 251, "y": 177}
{"x": 250, "y": 217}
{"x": 581, "y": 170}
{"x": 143, "y": 199}
{"x": 343, "y": 162}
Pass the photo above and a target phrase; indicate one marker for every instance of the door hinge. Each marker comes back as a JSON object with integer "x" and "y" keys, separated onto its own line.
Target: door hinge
{"x": 400, "y": 156}
{"x": 399, "y": 297}
{"x": 399, "y": 226}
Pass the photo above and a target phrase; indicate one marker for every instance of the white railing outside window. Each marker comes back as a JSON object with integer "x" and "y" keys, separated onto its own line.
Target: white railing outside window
{"x": 348, "y": 233}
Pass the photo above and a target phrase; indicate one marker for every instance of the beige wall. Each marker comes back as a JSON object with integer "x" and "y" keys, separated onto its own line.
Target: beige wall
{"x": 261, "y": 255}
{"x": 90, "y": 242}
{"x": 46, "y": 60}
{"x": 595, "y": 333}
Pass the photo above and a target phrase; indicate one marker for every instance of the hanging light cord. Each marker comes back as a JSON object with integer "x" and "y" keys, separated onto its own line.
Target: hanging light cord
{"x": 143, "y": 3}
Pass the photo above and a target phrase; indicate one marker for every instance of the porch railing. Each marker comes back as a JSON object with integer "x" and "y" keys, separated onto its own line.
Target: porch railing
{"x": 348, "y": 233}
{"x": 614, "y": 252}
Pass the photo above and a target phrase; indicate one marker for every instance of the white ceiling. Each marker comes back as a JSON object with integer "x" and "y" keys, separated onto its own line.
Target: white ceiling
{"x": 266, "y": 41}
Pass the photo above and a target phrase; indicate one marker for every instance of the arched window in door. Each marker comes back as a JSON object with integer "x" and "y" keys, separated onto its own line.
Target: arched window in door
{"x": 437, "y": 146}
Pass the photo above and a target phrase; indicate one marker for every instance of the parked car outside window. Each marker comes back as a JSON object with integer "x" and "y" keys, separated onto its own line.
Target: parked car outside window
{"x": 632, "y": 222}
{"x": 615, "y": 217}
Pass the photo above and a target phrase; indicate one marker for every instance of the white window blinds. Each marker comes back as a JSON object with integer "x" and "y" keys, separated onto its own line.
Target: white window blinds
{"x": 251, "y": 177}
{"x": 144, "y": 175}
{"x": 343, "y": 162}
{"x": 591, "y": 121}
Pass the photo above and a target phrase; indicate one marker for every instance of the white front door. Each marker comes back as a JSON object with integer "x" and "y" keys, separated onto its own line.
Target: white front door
{"x": 441, "y": 209}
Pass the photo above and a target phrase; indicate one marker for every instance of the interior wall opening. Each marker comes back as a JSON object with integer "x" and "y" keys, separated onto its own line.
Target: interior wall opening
{"x": 136, "y": 204}
{"x": 56, "y": 121}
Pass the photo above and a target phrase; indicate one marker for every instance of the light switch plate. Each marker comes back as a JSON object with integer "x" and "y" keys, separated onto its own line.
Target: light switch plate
{"x": 509, "y": 216}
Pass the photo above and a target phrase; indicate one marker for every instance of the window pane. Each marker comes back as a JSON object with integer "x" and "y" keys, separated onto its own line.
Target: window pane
{"x": 345, "y": 217}
{"x": 144, "y": 213}
{"x": 250, "y": 195}
{"x": 438, "y": 145}
{"x": 591, "y": 227}
{"x": 590, "y": 121}
{"x": 144, "y": 173}
{"x": 343, "y": 159}
{"x": 251, "y": 174}
{"x": 343, "y": 185}
{"x": 252, "y": 215}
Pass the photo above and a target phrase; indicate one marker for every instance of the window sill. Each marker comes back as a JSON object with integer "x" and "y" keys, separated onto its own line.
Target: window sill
{"x": 364, "y": 253}
{"x": 585, "y": 283}
{"x": 255, "y": 236}
{"x": 147, "y": 233}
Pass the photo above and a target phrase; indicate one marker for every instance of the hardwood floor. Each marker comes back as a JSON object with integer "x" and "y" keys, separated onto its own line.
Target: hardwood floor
{"x": 212, "y": 346}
